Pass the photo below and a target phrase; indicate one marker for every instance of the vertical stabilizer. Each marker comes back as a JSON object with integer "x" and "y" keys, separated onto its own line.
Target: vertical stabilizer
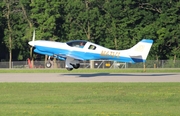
{"x": 140, "y": 51}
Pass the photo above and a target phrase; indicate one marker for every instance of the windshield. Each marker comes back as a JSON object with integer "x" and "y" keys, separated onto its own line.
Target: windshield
{"x": 77, "y": 43}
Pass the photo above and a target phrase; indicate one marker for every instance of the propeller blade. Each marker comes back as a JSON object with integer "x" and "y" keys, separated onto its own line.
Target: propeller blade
{"x": 31, "y": 43}
{"x": 33, "y": 39}
{"x": 31, "y": 52}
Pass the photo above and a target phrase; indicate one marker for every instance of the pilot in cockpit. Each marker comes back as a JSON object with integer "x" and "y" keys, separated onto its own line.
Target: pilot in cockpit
{"x": 81, "y": 45}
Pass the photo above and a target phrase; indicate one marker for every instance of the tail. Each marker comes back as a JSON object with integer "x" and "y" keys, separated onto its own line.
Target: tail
{"x": 140, "y": 51}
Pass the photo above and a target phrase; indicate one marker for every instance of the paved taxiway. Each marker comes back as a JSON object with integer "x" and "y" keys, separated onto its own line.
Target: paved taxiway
{"x": 95, "y": 77}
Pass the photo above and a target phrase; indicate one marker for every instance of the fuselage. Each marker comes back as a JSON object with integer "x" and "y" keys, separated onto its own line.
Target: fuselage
{"x": 89, "y": 51}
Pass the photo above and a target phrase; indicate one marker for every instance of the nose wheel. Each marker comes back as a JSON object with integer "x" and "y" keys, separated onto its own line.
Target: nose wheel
{"x": 48, "y": 64}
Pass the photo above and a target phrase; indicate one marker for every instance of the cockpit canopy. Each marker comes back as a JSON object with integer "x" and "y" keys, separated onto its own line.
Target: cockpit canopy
{"x": 77, "y": 43}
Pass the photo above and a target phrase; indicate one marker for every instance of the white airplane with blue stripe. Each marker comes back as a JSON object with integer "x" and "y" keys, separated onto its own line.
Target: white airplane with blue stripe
{"x": 80, "y": 50}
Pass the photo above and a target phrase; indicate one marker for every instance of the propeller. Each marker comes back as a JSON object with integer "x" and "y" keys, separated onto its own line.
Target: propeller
{"x": 31, "y": 43}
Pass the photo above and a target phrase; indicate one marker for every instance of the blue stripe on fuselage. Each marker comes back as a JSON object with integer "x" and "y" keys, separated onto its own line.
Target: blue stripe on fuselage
{"x": 83, "y": 55}
{"x": 147, "y": 41}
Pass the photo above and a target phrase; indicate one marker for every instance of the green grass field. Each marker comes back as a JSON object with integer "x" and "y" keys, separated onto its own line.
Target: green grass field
{"x": 128, "y": 70}
{"x": 89, "y": 99}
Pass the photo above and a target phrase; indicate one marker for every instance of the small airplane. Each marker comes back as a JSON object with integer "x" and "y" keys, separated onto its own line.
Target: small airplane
{"x": 80, "y": 50}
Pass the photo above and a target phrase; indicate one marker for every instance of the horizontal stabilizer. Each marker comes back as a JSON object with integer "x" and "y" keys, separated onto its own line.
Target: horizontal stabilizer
{"x": 137, "y": 58}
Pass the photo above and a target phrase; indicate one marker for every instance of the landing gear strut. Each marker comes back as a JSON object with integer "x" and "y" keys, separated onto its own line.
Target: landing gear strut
{"x": 48, "y": 63}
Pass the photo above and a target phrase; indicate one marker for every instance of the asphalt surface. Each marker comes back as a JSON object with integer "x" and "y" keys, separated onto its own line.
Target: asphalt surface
{"x": 95, "y": 77}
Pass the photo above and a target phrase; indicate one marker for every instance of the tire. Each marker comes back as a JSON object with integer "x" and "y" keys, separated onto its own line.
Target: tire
{"x": 48, "y": 64}
{"x": 69, "y": 69}
{"x": 76, "y": 66}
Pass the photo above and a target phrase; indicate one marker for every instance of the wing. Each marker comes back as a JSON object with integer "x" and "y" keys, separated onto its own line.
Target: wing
{"x": 70, "y": 55}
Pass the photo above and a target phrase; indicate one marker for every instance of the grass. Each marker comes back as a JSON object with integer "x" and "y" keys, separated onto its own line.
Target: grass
{"x": 90, "y": 99}
{"x": 128, "y": 70}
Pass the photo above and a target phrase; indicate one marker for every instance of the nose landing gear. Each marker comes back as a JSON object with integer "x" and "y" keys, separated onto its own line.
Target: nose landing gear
{"x": 48, "y": 64}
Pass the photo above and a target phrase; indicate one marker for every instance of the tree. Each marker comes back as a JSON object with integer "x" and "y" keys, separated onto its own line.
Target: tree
{"x": 83, "y": 20}
{"x": 8, "y": 32}
{"x": 44, "y": 15}
{"x": 113, "y": 24}
{"x": 2, "y": 26}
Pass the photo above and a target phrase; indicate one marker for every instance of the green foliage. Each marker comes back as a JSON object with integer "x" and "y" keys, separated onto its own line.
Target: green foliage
{"x": 113, "y": 24}
{"x": 44, "y": 14}
{"x": 2, "y": 21}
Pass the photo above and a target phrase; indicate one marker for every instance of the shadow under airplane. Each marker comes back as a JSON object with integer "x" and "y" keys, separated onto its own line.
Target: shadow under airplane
{"x": 117, "y": 75}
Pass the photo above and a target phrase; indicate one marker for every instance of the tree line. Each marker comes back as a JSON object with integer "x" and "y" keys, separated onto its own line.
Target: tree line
{"x": 116, "y": 24}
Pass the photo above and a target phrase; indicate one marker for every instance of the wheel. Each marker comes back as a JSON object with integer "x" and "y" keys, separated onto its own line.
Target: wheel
{"x": 69, "y": 69}
{"x": 76, "y": 66}
{"x": 48, "y": 64}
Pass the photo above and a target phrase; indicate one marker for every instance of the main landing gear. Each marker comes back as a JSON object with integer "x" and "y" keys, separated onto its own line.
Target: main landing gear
{"x": 75, "y": 66}
{"x": 69, "y": 69}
